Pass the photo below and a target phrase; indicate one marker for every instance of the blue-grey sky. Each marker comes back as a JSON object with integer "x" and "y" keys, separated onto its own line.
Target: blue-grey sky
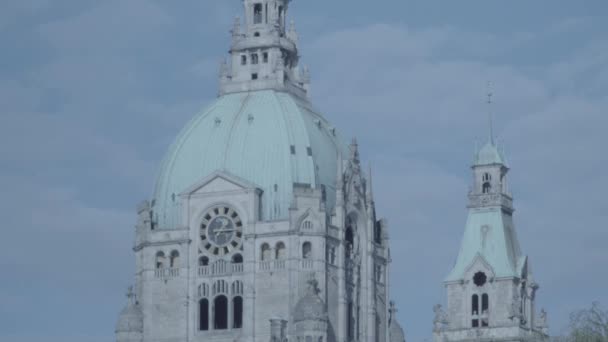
{"x": 93, "y": 92}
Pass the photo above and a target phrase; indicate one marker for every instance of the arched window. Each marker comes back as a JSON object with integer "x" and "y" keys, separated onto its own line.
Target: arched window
{"x": 485, "y": 307}
{"x": 220, "y": 313}
{"x": 203, "y": 315}
{"x": 475, "y": 311}
{"x": 485, "y": 303}
{"x": 280, "y": 251}
{"x": 281, "y": 14}
{"x": 378, "y": 233}
{"x": 350, "y": 241}
{"x": 237, "y": 259}
{"x": 160, "y": 260}
{"x": 486, "y": 187}
{"x": 203, "y": 261}
{"x": 257, "y": 13}
{"x": 265, "y": 252}
{"x": 307, "y": 250}
{"x": 174, "y": 260}
{"x": 475, "y": 305}
{"x": 237, "y": 312}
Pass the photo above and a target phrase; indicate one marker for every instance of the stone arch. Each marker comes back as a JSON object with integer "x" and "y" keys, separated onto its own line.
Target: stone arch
{"x": 237, "y": 258}
{"x": 265, "y": 253}
{"x": 160, "y": 260}
{"x": 280, "y": 251}
{"x": 307, "y": 250}
{"x": 220, "y": 287}
{"x": 203, "y": 290}
{"x": 237, "y": 288}
{"x": 220, "y": 312}
{"x": 174, "y": 259}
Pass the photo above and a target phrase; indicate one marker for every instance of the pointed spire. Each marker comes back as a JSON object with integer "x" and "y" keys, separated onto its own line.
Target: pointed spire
{"x": 370, "y": 190}
{"x": 354, "y": 151}
{"x": 340, "y": 172}
{"x": 490, "y": 119}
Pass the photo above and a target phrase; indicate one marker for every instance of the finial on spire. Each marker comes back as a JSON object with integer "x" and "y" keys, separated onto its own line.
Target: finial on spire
{"x": 490, "y": 121}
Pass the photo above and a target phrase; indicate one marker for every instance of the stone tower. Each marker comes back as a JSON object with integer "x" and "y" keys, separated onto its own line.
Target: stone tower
{"x": 264, "y": 53}
{"x": 262, "y": 225}
{"x": 490, "y": 290}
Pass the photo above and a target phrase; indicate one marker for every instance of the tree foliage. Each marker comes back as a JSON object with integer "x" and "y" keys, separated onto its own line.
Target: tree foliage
{"x": 589, "y": 325}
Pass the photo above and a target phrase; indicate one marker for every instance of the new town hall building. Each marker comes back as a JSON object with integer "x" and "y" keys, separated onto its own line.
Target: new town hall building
{"x": 262, "y": 226}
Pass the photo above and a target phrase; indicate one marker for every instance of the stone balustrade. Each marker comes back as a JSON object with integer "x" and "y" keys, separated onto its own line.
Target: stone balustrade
{"x": 220, "y": 268}
{"x": 165, "y": 273}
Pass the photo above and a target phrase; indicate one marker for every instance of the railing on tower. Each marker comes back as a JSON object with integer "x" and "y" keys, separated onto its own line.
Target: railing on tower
{"x": 220, "y": 267}
{"x": 165, "y": 273}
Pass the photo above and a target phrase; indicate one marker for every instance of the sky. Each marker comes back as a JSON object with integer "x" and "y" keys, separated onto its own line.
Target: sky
{"x": 93, "y": 92}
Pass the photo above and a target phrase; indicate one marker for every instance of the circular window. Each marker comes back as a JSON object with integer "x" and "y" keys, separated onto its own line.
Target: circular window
{"x": 480, "y": 278}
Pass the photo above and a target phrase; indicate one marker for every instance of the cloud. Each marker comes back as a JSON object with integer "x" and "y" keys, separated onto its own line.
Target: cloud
{"x": 390, "y": 83}
{"x": 85, "y": 123}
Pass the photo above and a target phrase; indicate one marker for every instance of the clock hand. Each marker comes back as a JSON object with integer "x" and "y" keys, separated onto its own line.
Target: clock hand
{"x": 223, "y": 227}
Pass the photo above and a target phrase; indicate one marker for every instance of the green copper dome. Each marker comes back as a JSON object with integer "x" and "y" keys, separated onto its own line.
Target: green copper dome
{"x": 270, "y": 138}
{"x": 489, "y": 154}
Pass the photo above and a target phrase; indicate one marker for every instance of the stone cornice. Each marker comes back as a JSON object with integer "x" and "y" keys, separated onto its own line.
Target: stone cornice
{"x": 143, "y": 245}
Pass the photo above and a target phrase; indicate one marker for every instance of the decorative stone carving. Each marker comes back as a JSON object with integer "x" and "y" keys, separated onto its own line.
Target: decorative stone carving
{"x": 490, "y": 200}
{"x": 353, "y": 178}
{"x": 541, "y": 323}
{"x": 441, "y": 318}
{"x": 516, "y": 308}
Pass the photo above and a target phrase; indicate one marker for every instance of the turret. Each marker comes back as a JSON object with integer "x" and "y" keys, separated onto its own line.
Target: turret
{"x": 264, "y": 52}
{"x": 491, "y": 292}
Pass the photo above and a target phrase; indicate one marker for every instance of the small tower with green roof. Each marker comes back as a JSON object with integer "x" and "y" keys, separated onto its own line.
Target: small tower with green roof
{"x": 490, "y": 289}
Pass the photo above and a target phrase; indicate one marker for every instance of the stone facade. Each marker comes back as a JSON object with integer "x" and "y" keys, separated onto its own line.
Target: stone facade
{"x": 344, "y": 252}
{"x": 225, "y": 270}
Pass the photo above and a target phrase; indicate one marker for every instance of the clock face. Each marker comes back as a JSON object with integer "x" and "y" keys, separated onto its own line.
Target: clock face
{"x": 221, "y": 231}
